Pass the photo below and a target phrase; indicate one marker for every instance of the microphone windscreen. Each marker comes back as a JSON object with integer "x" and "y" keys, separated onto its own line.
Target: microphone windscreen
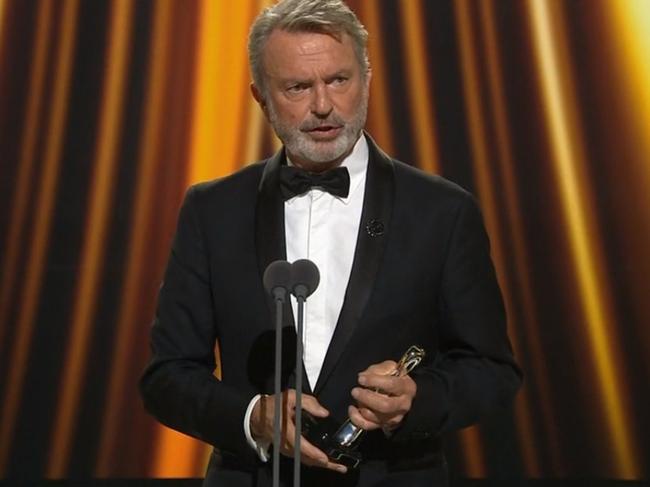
{"x": 304, "y": 273}
{"x": 277, "y": 275}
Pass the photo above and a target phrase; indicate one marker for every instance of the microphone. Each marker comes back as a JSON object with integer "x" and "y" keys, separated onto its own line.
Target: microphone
{"x": 304, "y": 281}
{"x": 277, "y": 279}
{"x": 301, "y": 278}
{"x": 304, "y": 278}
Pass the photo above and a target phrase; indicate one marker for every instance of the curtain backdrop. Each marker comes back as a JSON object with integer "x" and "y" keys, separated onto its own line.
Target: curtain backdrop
{"x": 109, "y": 109}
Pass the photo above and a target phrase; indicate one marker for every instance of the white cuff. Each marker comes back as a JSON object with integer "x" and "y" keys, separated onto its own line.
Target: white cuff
{"x": 261, "y": 448}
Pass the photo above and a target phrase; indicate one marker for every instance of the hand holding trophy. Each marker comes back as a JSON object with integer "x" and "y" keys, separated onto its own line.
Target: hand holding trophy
{"x": 341, "y": 442}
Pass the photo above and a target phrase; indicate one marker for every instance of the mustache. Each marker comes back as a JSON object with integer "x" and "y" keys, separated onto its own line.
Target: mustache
{"x": 314, "y": 123}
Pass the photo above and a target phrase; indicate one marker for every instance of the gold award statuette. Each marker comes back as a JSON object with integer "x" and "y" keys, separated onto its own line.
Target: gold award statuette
{"x": 341, "y": 442}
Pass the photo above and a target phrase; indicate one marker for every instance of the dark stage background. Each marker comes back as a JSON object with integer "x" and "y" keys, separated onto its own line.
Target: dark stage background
{"x": 110, "y": 109}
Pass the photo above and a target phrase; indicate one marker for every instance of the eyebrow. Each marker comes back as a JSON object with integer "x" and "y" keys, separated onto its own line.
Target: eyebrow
{"x": 341, "y": 72}
{"x": 345, "y": 72}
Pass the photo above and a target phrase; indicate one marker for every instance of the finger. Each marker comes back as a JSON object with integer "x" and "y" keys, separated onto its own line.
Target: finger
{"x": 315, "y": 457}
{"x": 380, "y": 403}
{"x": 389, "y": 422}
{"x": 360, "y": 421}
{"x": 288, "y": 401}
{"x": 288, "y": 435}
{"x": 383, "y": 368}
{"x": 384, "y": 383}
{"x": 337, "y": 467}
{"x": 308, "y": 451}
{"x": 370, "y": 415}
{"x": 370, "y": 420}
{"x": 311, "y": 455}
{"x": 311, "y": 404}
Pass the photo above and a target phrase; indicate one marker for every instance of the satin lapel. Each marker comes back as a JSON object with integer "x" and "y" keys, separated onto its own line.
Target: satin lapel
{"x": 371, "y": 241}
{"x": 271, "y": 246}
{"x": 269, "y": 218}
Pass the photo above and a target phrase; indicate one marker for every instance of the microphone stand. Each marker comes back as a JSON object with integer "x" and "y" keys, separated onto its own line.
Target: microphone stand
{"x": 277, "y": 397}
{"x": 277, "y": 278}
{"x": 305, "y": 278}
{"x": 298, "y": 418}
{"x": 302, "y": 278}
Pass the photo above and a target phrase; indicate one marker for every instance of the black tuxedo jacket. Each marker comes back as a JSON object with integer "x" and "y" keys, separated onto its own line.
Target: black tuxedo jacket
{"x": 422, "y": 274}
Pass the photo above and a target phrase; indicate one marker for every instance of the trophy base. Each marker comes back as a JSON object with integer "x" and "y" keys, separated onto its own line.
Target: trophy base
{"x": 322, "y": 433}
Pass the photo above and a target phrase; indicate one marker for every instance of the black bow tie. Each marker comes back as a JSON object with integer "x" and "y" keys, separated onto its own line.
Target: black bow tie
{"x": 295, "y": 181}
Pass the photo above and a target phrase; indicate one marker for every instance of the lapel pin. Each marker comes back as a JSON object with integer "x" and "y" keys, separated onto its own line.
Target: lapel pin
{"x": 375, "y": 228}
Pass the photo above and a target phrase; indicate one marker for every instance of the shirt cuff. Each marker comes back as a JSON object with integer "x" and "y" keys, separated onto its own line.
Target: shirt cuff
{"x": 261, "y": 448}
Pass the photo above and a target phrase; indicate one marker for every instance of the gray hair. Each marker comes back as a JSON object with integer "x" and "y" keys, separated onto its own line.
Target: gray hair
{"x": 332, "y": 17}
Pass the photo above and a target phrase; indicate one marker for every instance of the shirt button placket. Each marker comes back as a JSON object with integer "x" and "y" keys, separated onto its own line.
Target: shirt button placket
{"x": 318, "y": 247}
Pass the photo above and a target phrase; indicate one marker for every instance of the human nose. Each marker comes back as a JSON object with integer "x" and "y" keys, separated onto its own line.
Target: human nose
{"x": 321, "y": 102}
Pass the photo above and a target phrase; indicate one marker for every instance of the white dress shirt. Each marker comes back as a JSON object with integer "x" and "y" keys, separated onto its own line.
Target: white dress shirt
{"x": 322, "y": 228}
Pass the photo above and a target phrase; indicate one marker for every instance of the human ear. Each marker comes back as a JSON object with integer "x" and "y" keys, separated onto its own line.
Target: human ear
{"x": 259, "y": 98}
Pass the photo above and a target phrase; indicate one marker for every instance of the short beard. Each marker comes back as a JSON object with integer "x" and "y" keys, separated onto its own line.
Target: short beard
{"x": 300, "y": 145}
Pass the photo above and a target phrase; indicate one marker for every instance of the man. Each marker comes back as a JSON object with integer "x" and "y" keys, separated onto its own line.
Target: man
{"x": 404, "y": 260}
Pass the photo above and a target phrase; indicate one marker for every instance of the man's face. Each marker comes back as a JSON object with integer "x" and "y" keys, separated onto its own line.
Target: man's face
{"x": 315, "y": 96}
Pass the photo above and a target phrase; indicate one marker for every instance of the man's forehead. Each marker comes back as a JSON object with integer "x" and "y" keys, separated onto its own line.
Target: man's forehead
{"x": 292, "y": 50}
{"x": 306, "y": 32}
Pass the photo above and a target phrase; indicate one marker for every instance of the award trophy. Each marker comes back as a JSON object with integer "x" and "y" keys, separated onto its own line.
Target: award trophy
{"x": 340, "y": 442}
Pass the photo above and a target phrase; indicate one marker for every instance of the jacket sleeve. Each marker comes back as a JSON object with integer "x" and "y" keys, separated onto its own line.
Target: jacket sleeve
{"x": 474, "y": 371}
{"x": 178, "y": 386}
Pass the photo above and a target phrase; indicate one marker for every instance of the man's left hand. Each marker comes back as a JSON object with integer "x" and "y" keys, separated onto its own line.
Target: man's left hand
{"x": 382, "y": 401}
